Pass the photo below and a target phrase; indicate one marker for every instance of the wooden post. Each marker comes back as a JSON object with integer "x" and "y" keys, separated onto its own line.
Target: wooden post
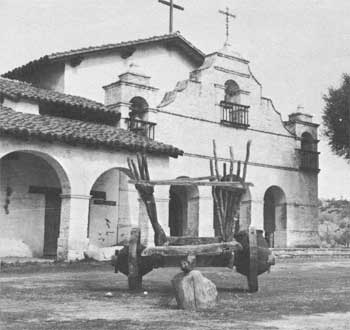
{"x": 134, "y": 277}
{"x": 253, "y": 261}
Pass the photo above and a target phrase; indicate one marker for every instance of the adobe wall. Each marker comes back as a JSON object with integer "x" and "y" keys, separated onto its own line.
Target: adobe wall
{"x": 77, "y": 170}
{"x": 22, "y": 213}
{"x": 96, "y": 71}
{"x": 192, "y": 120}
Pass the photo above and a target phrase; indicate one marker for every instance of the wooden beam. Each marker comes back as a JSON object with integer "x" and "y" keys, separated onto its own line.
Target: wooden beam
{"x": 184, "y": 250}
{"x": 198, "y": 178}
{"x": 185, "y": 182}
{"x": 188, "y": 240}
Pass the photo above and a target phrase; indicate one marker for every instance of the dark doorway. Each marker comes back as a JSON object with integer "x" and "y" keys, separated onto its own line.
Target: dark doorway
{"x": 183, "y": 211}
{"x": 52, "y": 217}
{"x": 52, "y": 224}
{"x": 275, "y": 217}
{"x": 176, "y": 216}
{"x": 269, "y": 218}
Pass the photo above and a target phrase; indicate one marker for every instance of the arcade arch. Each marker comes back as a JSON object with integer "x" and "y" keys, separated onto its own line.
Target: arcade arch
{"x": 275, "y": 217}
{"x": 113, "y": 209}
{"x": 31, "y": 183}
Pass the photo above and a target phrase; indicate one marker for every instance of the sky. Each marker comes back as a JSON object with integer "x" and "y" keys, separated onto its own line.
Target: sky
{"x": 297, "y": 48}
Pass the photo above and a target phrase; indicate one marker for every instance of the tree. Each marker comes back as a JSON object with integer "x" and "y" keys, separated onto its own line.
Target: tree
{"x": 336, "y": 118}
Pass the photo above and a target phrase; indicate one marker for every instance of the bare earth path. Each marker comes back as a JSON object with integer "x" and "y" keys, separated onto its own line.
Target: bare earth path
{"x": 295, "y": 295}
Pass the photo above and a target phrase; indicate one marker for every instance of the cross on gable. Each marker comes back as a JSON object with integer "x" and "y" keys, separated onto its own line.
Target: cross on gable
{"x": 228, "y": 16}
{"x": 171, "y": 11}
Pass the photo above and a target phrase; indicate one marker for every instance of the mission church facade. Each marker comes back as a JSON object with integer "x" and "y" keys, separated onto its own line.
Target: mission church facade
{"x": 68, "y": 122}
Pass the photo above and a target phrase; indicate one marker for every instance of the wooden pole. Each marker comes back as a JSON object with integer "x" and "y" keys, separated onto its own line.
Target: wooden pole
{"x": 144, "y": 160}
{"x": 238, "y": 173}
{"x": 246, "y": 160}
{"x": 145, "y": 190}
{"x": 216, "y": 161}
{"x": 253, "y": 261}
{"x": 134, "y": 277}
{"x": 232, "y": 160}
{"x": 140, "y": 165}
{"x": 136, "y": 173}
{"x": 218, "y": 194}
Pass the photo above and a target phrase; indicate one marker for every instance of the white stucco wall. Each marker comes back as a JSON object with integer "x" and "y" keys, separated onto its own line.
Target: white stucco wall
{"x": 22, "y": 213}
{"x": 110, "y": 224}
{"x": 77, "y": 181}
{"x": 22, "y": 105}
{"x": 99, "y": 70}
{"x": 192, "y": 121}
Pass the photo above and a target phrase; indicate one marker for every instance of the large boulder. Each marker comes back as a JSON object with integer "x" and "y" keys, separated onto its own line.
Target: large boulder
{"x": 194, "y": 291}
{"x": 94, "y": 252}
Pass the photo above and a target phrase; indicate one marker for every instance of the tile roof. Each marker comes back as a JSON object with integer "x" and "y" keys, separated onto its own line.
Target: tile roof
{"x": 22, "y": 71}
{"x": 167, "y": 37}
{"x": 15, "y": 89}
{"x": 83, "y": 107}
{"x": 70, "y": 131}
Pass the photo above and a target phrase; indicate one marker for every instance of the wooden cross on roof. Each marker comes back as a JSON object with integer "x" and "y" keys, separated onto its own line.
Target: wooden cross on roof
{"x": 171, "y": 5}
{"x": 228, "y": 15}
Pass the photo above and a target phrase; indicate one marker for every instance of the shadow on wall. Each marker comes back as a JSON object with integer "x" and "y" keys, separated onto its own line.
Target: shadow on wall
{"x": 114, "y": 208}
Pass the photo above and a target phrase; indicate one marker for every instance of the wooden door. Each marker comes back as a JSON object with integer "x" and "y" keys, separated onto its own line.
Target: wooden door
{"x": 52, "y": 223}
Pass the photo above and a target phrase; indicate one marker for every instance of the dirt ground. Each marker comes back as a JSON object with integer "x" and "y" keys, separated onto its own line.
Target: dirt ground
{"x": 295, "y": 295}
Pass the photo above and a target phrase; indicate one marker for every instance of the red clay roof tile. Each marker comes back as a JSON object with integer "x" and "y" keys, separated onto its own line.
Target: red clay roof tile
{"x": 70, "y": 131}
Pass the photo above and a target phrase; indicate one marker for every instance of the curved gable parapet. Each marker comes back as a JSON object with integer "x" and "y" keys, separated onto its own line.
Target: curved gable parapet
{"x": 254, "y": 77}
{"x": 277, "y": 126}
{"x": 169, "y": 97}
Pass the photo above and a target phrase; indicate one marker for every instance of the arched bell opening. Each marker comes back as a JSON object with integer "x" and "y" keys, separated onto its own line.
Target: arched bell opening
{"x": 31, "y": 184}
{"x": 138, "y": 108}
{"x": 307, "y": 142}
{"x": 183, "y": 210}
{"x": 232, "y": 92}
{"x": 113, "y": 209}
{"x": 275, "y": 217}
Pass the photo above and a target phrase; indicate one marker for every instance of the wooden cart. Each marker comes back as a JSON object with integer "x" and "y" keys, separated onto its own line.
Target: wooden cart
{"x": 246, "y": 250}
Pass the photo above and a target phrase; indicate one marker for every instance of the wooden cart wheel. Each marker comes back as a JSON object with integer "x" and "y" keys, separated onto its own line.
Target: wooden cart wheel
{"x": 134, "y": 276}
{"x": 255, "y": 258}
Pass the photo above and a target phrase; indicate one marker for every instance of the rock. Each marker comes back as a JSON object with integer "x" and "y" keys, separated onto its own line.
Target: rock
{"x": 93, "y": 252}
{"x": 100, "y": 253}
{"x": 194, "y": 291}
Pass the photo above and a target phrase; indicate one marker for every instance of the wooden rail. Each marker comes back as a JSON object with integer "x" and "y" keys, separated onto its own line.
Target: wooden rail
{"x": 309, "y": 160}
{"x": 141, "y": 127}
{"x": 234, "y": 114}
